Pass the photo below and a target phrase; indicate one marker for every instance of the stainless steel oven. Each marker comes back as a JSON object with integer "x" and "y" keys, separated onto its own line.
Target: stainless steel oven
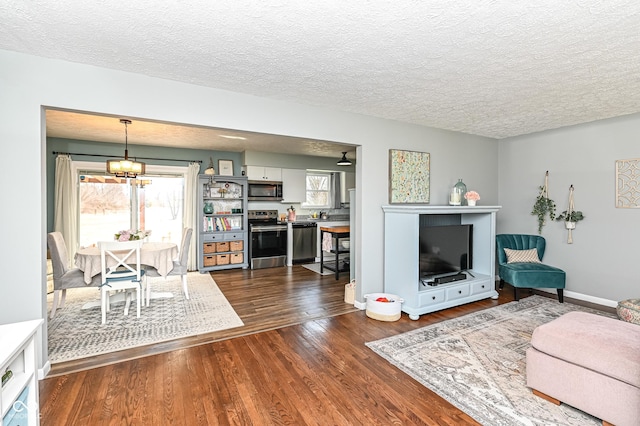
{"x": 268, "y": 239}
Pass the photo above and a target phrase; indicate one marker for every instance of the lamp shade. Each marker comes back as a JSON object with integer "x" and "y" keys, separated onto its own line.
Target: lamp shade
{"x": 344, "y": 161}
{"x": 125, "y": 168}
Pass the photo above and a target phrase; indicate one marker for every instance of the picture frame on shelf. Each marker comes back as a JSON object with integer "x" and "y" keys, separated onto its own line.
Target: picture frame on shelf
{"x": 225, "y": 167}
{"x": 409, "y": 173}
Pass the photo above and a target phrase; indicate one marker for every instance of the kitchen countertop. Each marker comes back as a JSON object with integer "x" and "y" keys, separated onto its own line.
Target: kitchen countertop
{"x": 335, "y": 229}
{"x": 317, "y": 220}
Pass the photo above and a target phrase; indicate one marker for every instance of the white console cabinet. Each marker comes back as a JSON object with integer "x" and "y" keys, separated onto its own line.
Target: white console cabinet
{"x": 19, "y": 401}
{"x": 401, "y": 257}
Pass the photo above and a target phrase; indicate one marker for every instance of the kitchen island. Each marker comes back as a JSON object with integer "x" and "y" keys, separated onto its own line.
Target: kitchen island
{"x": 337, "y": 261}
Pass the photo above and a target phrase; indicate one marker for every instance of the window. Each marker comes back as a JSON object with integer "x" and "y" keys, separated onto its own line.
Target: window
{"x": 105, "y": 207}
{"x": 318, "y": 190}
{"x": 107, "y": 204}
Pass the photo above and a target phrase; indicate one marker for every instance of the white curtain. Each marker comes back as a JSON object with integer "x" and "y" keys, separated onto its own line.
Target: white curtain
{"x": 190, "y": 219}
{"x": 65, "y": 212}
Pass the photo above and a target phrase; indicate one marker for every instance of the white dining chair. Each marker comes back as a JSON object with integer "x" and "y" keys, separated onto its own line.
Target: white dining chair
{"x": 64, "y": 277}
{"x": 120, "y": 271}
{"x": 179, "y": 266}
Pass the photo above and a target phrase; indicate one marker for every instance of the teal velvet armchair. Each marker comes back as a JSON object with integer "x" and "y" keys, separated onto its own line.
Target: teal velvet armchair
{"x": 527, "y": 274}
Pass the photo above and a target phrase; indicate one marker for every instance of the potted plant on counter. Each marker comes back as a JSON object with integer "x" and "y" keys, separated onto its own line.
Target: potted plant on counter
{"x": 472, "y": 198}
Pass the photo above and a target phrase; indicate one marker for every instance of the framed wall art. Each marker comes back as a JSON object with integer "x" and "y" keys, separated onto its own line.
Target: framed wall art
{"x": 628, "y": 184}
{"x": 408, "y": 177}
{"x": 225, "y": 167}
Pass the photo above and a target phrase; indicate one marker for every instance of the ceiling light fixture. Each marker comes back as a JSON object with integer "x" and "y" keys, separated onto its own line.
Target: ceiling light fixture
{"x": 344, "y": 161}
{"x": 125, "y": 168}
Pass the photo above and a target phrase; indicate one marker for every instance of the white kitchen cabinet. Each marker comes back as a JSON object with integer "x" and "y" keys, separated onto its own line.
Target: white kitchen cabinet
{"x": 272, "y": 174}
{"x": 294, "y": 187}
{"x": 19, "y": 402}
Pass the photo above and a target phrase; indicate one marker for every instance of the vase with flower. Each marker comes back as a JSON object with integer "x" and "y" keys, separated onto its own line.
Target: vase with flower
{"x": 472, "y": 197}
{"x": 131, "y": 235}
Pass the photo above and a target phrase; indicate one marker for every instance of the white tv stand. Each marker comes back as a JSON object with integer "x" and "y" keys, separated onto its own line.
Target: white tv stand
{"x": 401, "y": 257}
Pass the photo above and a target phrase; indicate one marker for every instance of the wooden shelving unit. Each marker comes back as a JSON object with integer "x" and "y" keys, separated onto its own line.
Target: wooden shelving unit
{"x": 224, "y": 232}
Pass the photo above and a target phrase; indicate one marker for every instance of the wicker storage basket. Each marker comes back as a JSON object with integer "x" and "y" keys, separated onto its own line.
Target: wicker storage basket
{"x": 236, "y": 258}
{"x": 209, "y": 247}
{"x": 222, "y": 247}
{"x": 222, "y": 259}
{"x": 236, "y": 246}
{"x": 209, "y": 261}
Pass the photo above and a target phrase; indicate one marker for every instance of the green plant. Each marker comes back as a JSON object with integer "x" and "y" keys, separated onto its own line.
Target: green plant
{"x": 573, "y": 216}
{"x": 542, "y": 207}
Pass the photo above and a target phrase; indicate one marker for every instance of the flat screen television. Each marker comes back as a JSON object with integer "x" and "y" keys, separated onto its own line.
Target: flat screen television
{"x": 445, "y": 250}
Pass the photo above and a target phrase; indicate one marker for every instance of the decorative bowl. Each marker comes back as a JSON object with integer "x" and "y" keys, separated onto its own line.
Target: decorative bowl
{"x": 345, "y": 244}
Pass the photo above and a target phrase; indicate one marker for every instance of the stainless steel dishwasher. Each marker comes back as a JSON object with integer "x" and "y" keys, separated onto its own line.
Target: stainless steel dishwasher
{"x": 305, "y": 239}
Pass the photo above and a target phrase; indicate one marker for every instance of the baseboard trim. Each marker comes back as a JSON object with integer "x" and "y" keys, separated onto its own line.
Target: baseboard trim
{"x": 42, "y": 372}
{"x": 584, "y": 297}
{"x": 579, "y": 296}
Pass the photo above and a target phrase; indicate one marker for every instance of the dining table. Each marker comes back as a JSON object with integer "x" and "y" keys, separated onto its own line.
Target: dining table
{"x": 158, "y": 255}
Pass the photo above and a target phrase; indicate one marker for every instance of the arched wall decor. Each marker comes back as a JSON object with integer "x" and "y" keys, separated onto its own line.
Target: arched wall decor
{"x": 628, "y": 183}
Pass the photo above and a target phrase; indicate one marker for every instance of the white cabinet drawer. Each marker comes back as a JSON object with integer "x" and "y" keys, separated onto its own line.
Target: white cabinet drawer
{"x": 234, "y": 236}
{"x": 481, "y": 287}
{"x": 458, "y": 292}
{"x": 212, "y": 237}
{"x": 431, "y": 297}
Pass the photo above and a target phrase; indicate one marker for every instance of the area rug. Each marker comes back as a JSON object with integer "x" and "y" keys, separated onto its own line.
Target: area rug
{"x": 315, "y": 267}
{"x": 477, "y": 362}
{"x": 76, "y": 330}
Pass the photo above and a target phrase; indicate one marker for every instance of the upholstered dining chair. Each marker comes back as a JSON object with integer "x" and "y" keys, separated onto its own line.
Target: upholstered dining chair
{"x": 179, "y": 266}
{"x": 119, "y": 271}
{"x": 520, "y": 264}
{"x": 64, "y": 277}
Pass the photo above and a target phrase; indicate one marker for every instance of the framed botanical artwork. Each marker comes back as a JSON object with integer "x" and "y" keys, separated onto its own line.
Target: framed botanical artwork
{"x": 408, "y": 177}
{"x": 628, "y": 184}
{"x": 225, "y": 167}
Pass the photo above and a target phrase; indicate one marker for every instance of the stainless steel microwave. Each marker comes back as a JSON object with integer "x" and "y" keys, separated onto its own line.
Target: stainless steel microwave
{"x": 264, "y": 191}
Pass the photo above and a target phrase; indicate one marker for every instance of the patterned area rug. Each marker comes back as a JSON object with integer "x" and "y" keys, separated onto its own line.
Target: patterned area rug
{"x": 477, "y": 362}
{"x": 76, "y": 330}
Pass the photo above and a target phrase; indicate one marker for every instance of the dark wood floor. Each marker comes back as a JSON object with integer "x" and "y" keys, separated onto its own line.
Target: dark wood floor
{"x": 263, "y": 298}
{"x": 317, "y": 371}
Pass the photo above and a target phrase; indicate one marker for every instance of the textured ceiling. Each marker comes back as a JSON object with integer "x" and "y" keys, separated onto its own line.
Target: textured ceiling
{"x": 101, "y": 128}
{"x": 496, "y": 68}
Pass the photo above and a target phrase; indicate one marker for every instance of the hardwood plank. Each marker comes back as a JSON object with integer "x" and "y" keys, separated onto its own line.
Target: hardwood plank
{"x": 313, "y": 372}
{"x": 264, "y": 299}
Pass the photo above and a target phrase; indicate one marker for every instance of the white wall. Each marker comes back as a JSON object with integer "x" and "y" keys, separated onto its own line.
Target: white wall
{"x": 27, "y": 83}
{"x": 601, "y": 264}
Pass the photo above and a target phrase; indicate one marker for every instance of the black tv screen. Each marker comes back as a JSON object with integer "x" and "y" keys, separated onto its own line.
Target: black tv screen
{"x": 445, "y": 250}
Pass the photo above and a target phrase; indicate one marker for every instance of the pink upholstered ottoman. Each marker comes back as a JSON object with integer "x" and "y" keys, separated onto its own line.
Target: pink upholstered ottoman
{"x": 589, "y": 362}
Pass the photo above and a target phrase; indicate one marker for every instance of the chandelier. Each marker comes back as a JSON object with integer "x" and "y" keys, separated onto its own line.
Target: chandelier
{"x": 125, "y": 168}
